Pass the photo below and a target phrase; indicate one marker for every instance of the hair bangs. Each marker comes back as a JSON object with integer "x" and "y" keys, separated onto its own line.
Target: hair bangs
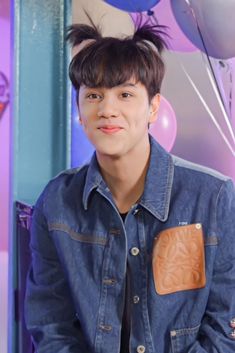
{"x": 109, "y": 65}
{"x": 109, "y": 62}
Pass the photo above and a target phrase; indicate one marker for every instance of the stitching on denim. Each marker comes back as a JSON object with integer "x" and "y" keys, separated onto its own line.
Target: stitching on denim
{"x": 114, "y": 231}
{"x": 217, "y": 201}
{"x": 185, "y": 331}
{"x": 106, "y": 328}
{"x": 213, "y": 240}
{"x": 170, "y": 177}
{"x": 76, "y": 236}
{"x": 174, "y": 343}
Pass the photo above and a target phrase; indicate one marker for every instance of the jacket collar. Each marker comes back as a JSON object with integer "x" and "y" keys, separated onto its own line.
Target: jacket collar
{"x": 158, "y": 183}
{"x": 93, "y": 180}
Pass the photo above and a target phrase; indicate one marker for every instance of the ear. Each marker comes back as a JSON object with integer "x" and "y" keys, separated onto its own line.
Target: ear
{"x": 154, "y": 106}
{"x": 79, "y": 114}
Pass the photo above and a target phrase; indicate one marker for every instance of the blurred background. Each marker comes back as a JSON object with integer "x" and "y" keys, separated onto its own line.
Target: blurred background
{"x": 39, "y": 130}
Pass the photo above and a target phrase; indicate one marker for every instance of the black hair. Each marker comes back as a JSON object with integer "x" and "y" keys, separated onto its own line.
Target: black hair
{"x": 109, "y": 61}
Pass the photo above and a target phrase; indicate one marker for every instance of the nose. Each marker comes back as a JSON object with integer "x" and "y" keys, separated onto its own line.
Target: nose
{"x": 108, "y": 108}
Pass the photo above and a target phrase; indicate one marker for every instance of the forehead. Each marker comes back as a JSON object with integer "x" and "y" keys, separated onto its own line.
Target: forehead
{"x": 131, "y": 83}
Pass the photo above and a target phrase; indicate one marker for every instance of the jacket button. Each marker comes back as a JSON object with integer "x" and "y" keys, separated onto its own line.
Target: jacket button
{"x": 134, "y": 251}
{"x": 232, "y": 322}
{"x": 136, "y": 211}
{"x": 136, "y": 299}
{"x": 140, "y": 349}
{"x": 232, "y": 334}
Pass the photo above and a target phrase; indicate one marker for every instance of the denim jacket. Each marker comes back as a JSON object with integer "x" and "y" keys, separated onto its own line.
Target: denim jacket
{"x": 179, "y": 241}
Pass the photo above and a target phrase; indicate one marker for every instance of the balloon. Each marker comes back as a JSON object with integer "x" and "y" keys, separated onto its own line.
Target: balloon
{"x": 133, "y": 5}
{"x": 111, "y": 21}
{"x": 162, "y": 15}
{"x": 4, "y": 93}
{"x": 4, "y": 64}
{"x": 165, "y": 127}
{"x": 214, "y": 19}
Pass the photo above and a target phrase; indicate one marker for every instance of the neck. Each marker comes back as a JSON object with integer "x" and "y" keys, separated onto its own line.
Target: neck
{"x": 125, "y": 176}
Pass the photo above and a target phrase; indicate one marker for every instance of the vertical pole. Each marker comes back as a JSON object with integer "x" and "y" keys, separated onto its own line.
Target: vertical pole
{"x": 40, "y": 113}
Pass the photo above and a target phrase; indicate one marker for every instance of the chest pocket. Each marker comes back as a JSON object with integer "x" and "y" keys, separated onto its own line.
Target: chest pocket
{"x": 179, "y": 259}
{"x": 181, "y": 340}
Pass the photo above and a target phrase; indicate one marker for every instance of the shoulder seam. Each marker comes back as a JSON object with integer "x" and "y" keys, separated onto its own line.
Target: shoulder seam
{"x": 71, "y": 171}
{"x": 182, "y": 163}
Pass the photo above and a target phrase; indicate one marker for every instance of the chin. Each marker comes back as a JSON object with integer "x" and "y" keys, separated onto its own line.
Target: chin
{"x": 111, "y": 154}
{"x": 110, "y": 149}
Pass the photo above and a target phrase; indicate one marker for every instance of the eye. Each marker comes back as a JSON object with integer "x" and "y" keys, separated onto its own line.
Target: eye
{"x": 93, "y": 96}
{"x": 126, "y": 95}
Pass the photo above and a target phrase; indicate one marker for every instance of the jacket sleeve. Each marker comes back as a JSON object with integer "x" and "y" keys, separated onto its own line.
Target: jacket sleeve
{"x": 216, "y": 332}
{"x": 49, "y": 312}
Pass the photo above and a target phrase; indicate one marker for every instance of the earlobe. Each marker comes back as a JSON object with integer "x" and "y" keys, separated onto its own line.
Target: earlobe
{"x": 154, "y": 106}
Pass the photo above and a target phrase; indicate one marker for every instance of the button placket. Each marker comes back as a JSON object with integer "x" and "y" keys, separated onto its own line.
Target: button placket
{"x": 112, "y": 274}
{"x": 135, "y": 228}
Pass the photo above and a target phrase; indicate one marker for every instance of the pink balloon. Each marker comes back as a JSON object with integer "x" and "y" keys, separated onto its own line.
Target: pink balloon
{"x": 164, "y": 16}
{"x": 164, "y": 129}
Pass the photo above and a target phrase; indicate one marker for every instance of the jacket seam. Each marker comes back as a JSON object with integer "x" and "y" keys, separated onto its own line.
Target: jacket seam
{"x": 216, "y": 203}
{"x": 75, "y": 235}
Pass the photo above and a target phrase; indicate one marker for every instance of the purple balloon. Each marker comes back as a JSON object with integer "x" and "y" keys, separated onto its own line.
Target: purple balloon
{"x": 133, "y": 5}
{"x": 164, "y": 129}
{"x": 177, "y": 41}
{"x": 209, "y": 24}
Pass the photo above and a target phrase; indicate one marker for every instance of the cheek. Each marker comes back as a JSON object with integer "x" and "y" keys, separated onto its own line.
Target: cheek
{"x": 142, "y": 118}
{"x": 84, "y": 123}
{"x": 88, "y": 113}
{"x": 82, "y": 119}
{"x": 84, "y": 116}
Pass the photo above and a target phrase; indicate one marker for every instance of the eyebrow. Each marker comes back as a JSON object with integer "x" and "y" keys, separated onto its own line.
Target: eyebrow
{"x": 127, "y": 84}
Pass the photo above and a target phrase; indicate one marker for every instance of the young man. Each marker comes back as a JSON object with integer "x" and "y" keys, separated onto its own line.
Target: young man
{"x": 134, "y": 252}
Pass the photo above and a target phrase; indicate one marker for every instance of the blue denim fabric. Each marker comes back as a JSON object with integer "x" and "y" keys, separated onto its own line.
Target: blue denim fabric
{"x": 80, "y": 246}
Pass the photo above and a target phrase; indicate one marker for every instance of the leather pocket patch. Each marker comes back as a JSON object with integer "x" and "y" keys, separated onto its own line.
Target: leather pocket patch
{"x": 179, "y": 259}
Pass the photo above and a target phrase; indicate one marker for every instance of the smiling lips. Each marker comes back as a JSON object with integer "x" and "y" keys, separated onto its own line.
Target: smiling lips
{"x": 110, "y": 129}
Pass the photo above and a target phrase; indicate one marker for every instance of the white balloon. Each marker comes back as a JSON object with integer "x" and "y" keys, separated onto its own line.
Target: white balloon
{"x": 112, "y": 21}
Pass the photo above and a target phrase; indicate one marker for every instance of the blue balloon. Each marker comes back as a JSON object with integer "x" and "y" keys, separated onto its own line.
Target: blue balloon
{"x": 208, "y": 24}
{"x": 133, "y": 5}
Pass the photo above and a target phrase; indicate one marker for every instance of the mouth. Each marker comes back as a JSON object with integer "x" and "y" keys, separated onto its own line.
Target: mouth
{"x": 110, "y": 129}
